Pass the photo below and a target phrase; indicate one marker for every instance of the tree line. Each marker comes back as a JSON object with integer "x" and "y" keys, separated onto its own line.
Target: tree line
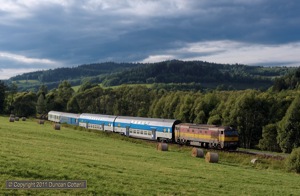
{"x": 208, "y": 75}
{"x": 268, "y": 120}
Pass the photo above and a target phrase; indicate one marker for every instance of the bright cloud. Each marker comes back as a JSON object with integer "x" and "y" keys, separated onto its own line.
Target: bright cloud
{"x": 7, "y": 73}
{"x": 232, "y": 52}
{"x": 24, "y": 59}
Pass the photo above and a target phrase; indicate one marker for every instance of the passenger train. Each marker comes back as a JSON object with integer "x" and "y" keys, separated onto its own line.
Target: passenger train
{"x": 167, "y": 130}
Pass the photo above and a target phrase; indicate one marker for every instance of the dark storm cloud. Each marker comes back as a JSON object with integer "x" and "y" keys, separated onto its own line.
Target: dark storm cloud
{"x": 47, "y": 34}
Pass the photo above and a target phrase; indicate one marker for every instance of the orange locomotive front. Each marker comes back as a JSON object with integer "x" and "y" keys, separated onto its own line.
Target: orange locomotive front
{"x": 210, "y": 136}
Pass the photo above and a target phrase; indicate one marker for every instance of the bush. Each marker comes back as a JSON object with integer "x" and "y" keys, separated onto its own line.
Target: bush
{"x": 293, "y": 161}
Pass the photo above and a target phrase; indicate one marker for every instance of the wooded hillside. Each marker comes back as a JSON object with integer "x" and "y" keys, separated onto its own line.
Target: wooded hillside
{"x": 170, "y": 74}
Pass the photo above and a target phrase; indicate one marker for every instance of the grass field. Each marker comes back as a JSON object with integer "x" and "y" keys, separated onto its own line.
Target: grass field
{"x": 116, "y": 165}
{"x": 75, "y": 88}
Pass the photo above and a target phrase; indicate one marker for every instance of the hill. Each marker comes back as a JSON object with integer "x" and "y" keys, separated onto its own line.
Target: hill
{"x": 201, "y": 74}
{"x": 75, "y": 75}
{"x": 209, "y": 75}
{"x": 115, "y": 165}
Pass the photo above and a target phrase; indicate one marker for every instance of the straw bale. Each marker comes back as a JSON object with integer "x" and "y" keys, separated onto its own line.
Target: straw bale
{"x": 11, "y": 119}
{"x": 162, "y": 147}
{"x": 197, "y": 152}
{"x": 23, "y": 118}
{"x": 41, "y": 122}
{"x": 16, "y": 118}
{"x": 212, "y": 157}
{"x": 255, "y": 160}
{"x": 12, "y": 115}
{"x": 56, "y": 126}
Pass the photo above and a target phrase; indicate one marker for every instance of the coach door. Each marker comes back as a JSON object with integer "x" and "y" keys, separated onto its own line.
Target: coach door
{"x": 154, "y": 134}
{"x": 127, "y": 131}
{"x": 221, "y": 135}
{"x": 102, "y": 126}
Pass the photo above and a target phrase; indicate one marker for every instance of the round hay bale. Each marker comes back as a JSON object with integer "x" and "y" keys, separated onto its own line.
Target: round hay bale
{"x": 162, "y": 147}
{"x": 23, "y": 118}
{"x": 41, "y": 122}
{"x": 56, "y": 126}
{"x": 12, "y": 115}
{"x": 255, "y": 160}
{"x": 197, "y": 152}
{"x": 11, "y": 119}
{"x": 212, "y": 157}
{"x": 16, "y": 118}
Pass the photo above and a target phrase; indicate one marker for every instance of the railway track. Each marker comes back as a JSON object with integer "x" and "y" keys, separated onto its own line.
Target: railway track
{"x": 263, "y": 154}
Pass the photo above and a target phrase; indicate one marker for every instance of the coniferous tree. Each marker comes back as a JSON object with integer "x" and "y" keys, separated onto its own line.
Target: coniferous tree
{"x": 41, "y": 104}
{"x": 2, "y": 96}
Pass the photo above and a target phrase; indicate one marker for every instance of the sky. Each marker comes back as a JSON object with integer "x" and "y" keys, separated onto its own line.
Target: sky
{"x": 47, "y": 34}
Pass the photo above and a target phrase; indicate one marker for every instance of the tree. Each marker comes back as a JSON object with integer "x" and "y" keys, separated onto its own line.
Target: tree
{"x": 41, "y": 106}
{"x": 293, "y": 161}
{"x": 86, "y": 85}
{"x": 25, "y": 104}
{"x": 185, "y": 108}
{"x": 214, "y": 120}
{"x": 289, "y": 127}
{"x": 203, "y": 106}
{"x": 42, "y": 90}
{"x": 269, "y": 141}
{"x": 87, "y": 101}
{"x": 13, "y": 89}
{"x": 2, "y": 96}
{"x": 248, "y": 116}
{"x": 64, "y": 94}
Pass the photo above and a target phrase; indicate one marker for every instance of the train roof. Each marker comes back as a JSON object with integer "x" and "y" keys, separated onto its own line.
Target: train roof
{"x": 204, "y": 126}
{"x": 146, "y": 121}
{"x": 65, "y": 114}
{"x": 98, "y": 117}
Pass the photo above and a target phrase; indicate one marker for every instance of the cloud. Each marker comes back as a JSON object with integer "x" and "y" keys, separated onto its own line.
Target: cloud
{"x": 231, "y": 52}
{"x": 24, "y": 59}
{"x": 70, "y": 32}
{"x": 14, "y": 64}
{"x": 8, "y": 73}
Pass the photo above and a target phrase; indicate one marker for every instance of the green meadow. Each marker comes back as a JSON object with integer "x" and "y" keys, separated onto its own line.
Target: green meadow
{"x": 116, "y": 165}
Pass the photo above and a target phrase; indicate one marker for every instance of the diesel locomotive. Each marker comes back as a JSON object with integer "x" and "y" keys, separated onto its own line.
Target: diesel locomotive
{"x": 168, "y": 130}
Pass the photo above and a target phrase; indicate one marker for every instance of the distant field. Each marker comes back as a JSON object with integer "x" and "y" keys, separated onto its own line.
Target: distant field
{"x": 114, "y": 165}
{"x": 75, "y": 88}
{"x": 28, "y": 82}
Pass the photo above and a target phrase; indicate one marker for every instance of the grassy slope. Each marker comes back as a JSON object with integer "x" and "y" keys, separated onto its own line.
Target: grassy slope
{"x": 116, "y": 165}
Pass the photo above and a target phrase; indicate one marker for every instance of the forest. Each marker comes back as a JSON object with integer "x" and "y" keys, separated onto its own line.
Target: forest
{"x": 194, "y": 75}
{"x": 265, "y": 119}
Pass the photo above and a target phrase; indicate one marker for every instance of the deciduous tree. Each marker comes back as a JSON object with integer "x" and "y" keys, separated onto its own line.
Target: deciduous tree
{"x": 289, "y": 127}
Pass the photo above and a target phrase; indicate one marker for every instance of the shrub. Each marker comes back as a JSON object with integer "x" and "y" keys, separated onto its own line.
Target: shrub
{"x": 293, "y": 161}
